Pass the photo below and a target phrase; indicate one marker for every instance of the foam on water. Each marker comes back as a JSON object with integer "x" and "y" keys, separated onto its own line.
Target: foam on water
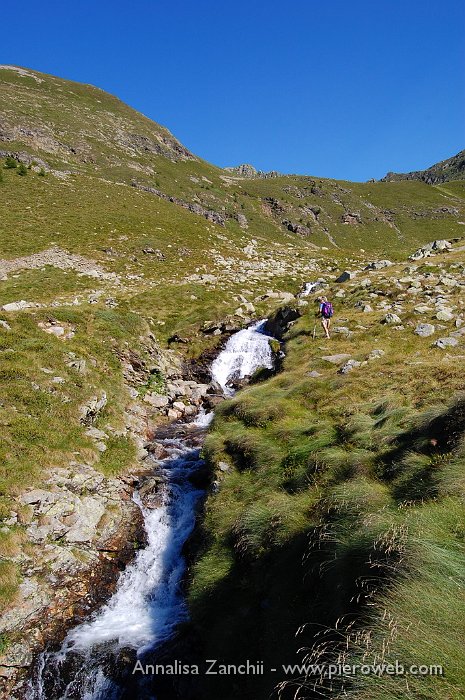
{"x": 245, "y": 352}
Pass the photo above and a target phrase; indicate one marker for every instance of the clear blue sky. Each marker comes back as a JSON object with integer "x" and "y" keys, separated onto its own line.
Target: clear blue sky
{"x": 336, "y": 88}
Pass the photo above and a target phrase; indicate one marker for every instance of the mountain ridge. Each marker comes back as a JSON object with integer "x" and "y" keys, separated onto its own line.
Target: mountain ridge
{"x": 452, "y": 168}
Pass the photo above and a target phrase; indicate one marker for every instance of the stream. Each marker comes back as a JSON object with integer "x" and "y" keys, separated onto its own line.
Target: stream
{"x": 148, "y": 604}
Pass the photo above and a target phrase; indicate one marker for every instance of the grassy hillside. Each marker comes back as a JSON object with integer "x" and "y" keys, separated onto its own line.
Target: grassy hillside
{"x": 113, "y": 231}
{"x": 337, "y": 528}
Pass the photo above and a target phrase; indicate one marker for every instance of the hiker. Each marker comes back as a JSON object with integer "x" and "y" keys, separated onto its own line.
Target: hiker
{"x": 326, "y": 311}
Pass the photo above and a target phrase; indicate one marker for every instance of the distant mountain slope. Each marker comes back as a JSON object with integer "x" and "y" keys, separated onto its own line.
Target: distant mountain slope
{"x": 450, "y": 169}
{"x": 89, "y": 140}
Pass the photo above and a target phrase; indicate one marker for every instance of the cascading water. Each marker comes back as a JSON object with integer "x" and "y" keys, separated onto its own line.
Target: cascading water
{"x": 309, "y": 288}
{"x": 244, "y": 352}
{"x": 148, "y": 604}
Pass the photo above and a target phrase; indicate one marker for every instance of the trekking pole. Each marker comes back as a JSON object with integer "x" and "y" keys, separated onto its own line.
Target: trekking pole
{"x": 314, "y": 331}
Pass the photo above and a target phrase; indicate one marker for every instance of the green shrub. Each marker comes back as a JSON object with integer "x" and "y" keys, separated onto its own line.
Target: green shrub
{"x": 22, "y": 170}
{"x": 10, "y": 163}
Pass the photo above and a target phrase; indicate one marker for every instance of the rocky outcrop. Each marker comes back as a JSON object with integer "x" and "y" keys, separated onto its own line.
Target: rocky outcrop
{"x": 83, "y": 528}
{"x": 300, "y": 229}
{"x": 161, "y": 145}
{"x": 247, "y": 170}
{"x": 208, "y": 214}
{"x": 279, "y": 322}
{"x": 429, "y": 249}
{"x": 450, "y": 169}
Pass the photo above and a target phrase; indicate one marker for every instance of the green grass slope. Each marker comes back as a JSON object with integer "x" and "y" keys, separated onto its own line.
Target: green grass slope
{"x": 337, "y": 531}
{"x": 86, "y": 246}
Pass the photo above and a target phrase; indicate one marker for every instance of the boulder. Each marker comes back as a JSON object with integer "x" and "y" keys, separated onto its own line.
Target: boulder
{"x": 346, "y": 276}
{"x": 156, "y": 400}
{"x": 279, "y": 322}
{"x": 17, "y": 305}
{"x": 89, "y": 411}
{"x": 349, "y": 366}
{"x": 378, "y": 265}
{"x": 424, "y": 330}
{"x": 391, "y": 318}
{"x": 445, "y": 315}
{"x": 342, "y": 330}
{"x": 446, "y": 343}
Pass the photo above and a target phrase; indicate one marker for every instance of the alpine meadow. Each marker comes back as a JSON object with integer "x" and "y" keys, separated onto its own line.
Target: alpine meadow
{"x": 189, "y": 469}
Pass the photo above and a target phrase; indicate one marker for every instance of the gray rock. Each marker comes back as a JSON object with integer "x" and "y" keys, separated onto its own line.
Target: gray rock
{"x": 17, "y": 305}
{"x": 445, "y": 315}
{"x": 156, "y": 400}
{"x": 349, "y": 366}
{"x": 79, "y": 365}
{"x": 424, "y": 330}
{"x": 378, "y": 265}
{"x": 376, "y": 354}
{"x": 446, "y": 343}
{"x": 89, "y": 411}
{"x": 313, "y": 374}
{"x": 430, "y": 248}
{"x": 422, "y": 309}
{"x": 336, "y": 359}
{"x": 37, "y": 496}
{"x": 223, "y": 466}
{"x": 6, "y": 326}
{"x": 96, "y": 434}
{"x": 89, "y": 511}
{"x": 391, "y": 318}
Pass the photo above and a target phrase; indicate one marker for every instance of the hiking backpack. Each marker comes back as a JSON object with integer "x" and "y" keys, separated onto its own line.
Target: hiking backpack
{"x": 327, "y": 309}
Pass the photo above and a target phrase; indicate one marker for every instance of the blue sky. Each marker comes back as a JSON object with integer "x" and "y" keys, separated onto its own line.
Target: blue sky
{"x": 336, "y": 88}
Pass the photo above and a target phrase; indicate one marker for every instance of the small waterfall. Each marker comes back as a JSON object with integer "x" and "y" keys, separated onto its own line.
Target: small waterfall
{"x": 244, "y": 352}
{"x": 309, "y": 288}
{"x": 148, "y": 604}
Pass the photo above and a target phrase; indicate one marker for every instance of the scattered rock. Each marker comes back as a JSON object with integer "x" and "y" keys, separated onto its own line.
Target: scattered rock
{"x": 378, "y": 265}
{"x": 342, "y": 330}
{"x": 64, "y": 331}
{"x": 430, "y": 249}
{"x": 346, "y": 276}
{"x": 349, "y": 366}
{"x": 391, "y": 318}
{"x": 351, "y": 218}
{"x": 18, "y": 305}
{"x": 96, "y": 434}
{"x": 336, "y": 359}
{"x": 89, "y": 412}
{"x": 156, "y": 400}
{"x": 446, "y": 343}
{"x": 376, "y": 354}
{"x": 424, "y": 330}
{"x": 445, "y": 315}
